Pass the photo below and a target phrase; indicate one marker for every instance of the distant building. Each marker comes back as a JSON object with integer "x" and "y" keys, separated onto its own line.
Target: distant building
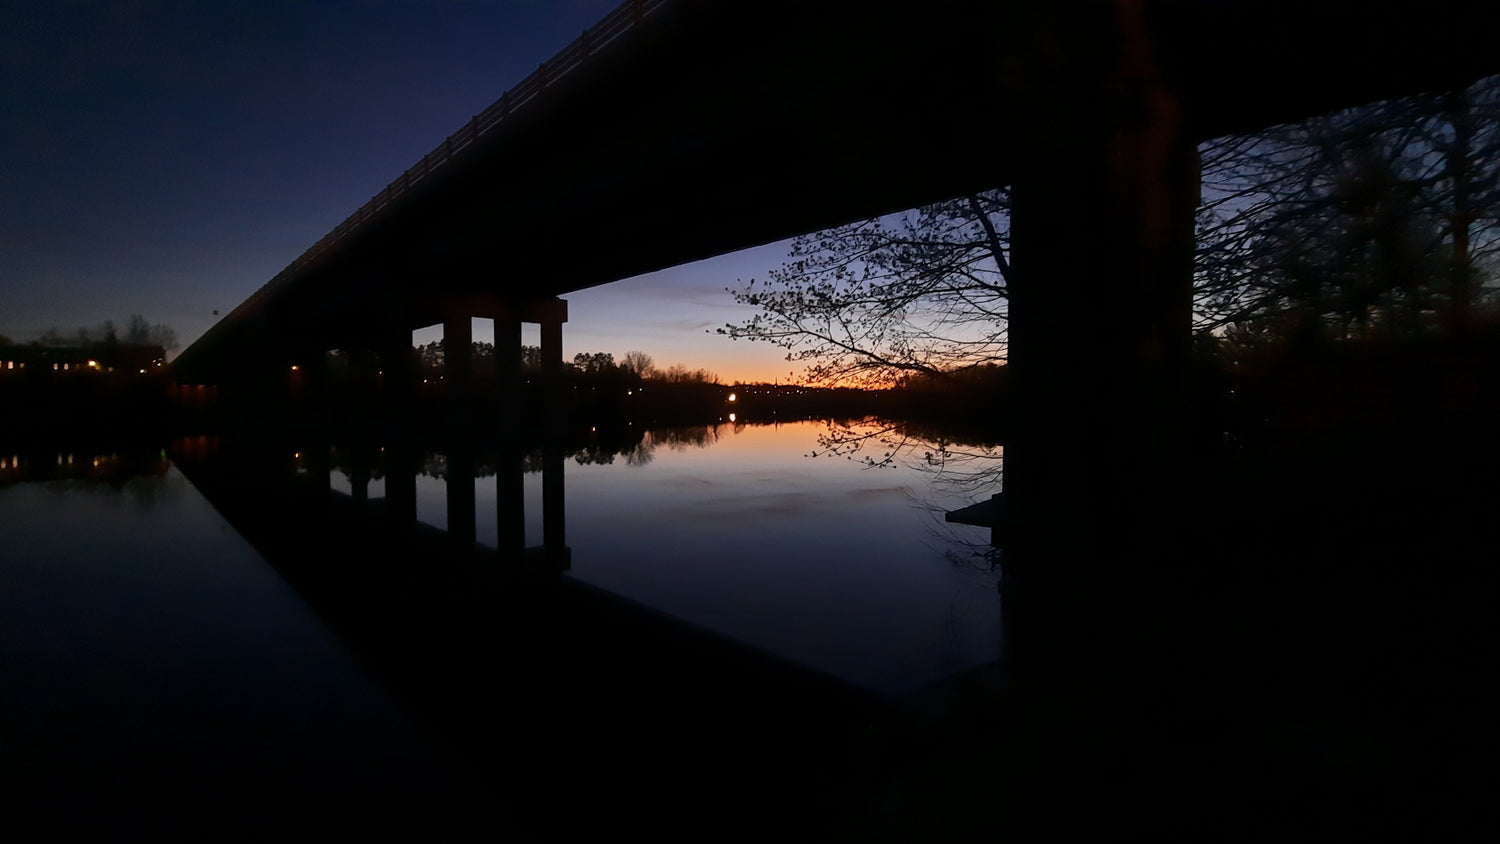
{"x": 119, "y": 359}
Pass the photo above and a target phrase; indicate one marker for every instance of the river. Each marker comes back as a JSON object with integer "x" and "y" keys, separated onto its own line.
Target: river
{"x": 138, "y": 623}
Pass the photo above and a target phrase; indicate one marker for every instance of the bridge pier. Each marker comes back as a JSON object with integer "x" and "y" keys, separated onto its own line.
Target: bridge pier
{"x": 1103, "y": 214}
{"x": 458, "y": 370}
{"x": 362, "y": 383}
{"x": 307, "y": 388}
{"x": 458, "y": 412}
{"x": 458, "y": 392}
{"x": 510, "y": 479}
{"x": 396, "y": 398}
{"x": 319, "y": 463}
{"x": 1100, "y": 329}
{"x": 554, "y": 527}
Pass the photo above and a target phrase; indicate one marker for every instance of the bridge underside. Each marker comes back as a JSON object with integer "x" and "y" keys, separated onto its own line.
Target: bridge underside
{"x": 720, "y": 126}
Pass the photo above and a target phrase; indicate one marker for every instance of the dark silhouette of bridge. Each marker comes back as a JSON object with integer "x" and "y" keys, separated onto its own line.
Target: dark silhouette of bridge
{"x": 674, "y": 131}
{"x": 678, "y": 130}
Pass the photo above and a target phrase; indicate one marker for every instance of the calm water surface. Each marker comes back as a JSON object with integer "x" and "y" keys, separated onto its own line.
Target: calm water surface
{"x": 146, "y": 648}
{"x": 134, "y": 596}
{"x": 833, "y": 564}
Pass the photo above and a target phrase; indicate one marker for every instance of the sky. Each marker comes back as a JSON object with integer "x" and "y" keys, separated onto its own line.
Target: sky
{"x": 169, "y": 158}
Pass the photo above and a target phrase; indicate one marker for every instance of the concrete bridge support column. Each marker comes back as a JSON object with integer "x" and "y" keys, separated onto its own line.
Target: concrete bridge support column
{"x": 1100, "y": 309}
{"x": 552, "y": 315}
{"x": 362, "y": 385}
{"x": 510, "y": 478}
{"x": 397, "y": 381}
{"x": 458, "y": 366}
{"x": 319, "y": 464}
{"x": 458, "y": 391}
{"x": 260, "y": 394}
{"x": 307, "y": 387}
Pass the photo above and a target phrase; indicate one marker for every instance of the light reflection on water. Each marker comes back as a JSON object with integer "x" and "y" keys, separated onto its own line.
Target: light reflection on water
{"x": 841, "y": 567}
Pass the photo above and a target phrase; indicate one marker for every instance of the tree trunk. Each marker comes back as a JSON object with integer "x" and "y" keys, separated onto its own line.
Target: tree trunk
{"x": 1460, "y": 216}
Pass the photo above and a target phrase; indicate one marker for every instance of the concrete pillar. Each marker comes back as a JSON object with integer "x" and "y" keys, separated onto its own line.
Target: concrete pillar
{"x": 1095, "y": 465}
{"x": 1102, "y": 233}
{"x": 458, "y": 365}
{"x": 397, "y": 383}
{"x": 510, "y": 488}
{"x": 552, "y": 315}
{"x": 552, "y": 347}
{"x": 319, "y": 464}
{"x": 362, "y": 384}
{"x": 307, "y": 387}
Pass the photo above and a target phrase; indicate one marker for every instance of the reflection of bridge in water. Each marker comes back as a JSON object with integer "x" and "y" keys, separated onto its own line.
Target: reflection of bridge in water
{"x": 585, "y": 712}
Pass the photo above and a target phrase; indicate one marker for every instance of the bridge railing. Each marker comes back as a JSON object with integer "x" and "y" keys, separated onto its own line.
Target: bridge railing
{"x": 615, "y": 25}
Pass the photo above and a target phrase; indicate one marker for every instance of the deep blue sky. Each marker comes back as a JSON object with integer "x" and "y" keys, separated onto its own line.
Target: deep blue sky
{"x": 168, "y": 158}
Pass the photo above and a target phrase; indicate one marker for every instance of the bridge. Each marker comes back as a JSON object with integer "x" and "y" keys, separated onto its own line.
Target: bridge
{"x": 677, "y": 130}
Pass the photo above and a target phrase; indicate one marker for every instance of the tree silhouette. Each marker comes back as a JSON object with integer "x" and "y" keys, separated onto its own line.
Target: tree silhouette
{"x": 923, "y": 291}
{"x": 1384, "y": 218}
{"x": 638, "y": 364}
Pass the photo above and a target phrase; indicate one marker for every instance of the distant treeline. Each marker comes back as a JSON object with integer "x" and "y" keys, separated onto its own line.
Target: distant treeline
{"x": 634, "y": 367}
{"x": 137, "y": 331}
{"x": 1244, "y": 397}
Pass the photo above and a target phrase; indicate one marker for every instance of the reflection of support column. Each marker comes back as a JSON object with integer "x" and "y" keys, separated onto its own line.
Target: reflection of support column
{"x": 319, "y": 464}
{"x": 401, "y": 464}
{"x": 510, "y": 483}
{"x": 359, "y": 473}
{"x": 460, "y": 485}
{"x": 554, "y": 529}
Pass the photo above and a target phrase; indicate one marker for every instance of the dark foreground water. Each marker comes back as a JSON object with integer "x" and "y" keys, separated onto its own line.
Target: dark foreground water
{"x": 158, "y": 676}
